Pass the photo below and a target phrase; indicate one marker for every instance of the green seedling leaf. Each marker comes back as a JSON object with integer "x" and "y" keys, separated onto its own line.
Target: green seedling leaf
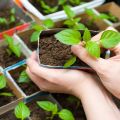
{"x": 62, "y": 2}
{"x": 12, "y": 19}
{"x": 70, "y": 62}
{"x": 68, "y": 37}
{"x": 93, "y": 49}
{"x": 65, "y": 114}
{"x": 15, "y": 48}
{"x": 12, "y": 11}
{"x": 104, "y": 16}
{"x": 87, "y": 35}
{"x": 75, "y": 2}
{"x": 35, "y": 36}
{"x": 48, "y": 23}
{"x": 22, "y": 111}
{"x": 69, "y": 11}
{"x": 79, "y": 26}
{"x": 2, "y": 81}
{"x": 6, "y": 94}
{"x": 47, "y": 106}
{"x": 37, "y": 27}
{"x": 89, "y": 12}
{"x": 23, "y": 78}
{"x": 3, "y": 21}
{"x": 110, "y": 39}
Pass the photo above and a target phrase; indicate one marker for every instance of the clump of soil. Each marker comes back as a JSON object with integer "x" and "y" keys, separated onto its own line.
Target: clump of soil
{"x": 39, "y": 114}
{"x": 6, "y": 59}
{"x": 54, "y": 53}
{"x": 51, "y": 3}
{"x": 29, "y": 88}
{"x": 71, "y": 103}
{"x": 8, "y": 116}
{"x": 5, "y": 13}
{"x": 5, "y": 99}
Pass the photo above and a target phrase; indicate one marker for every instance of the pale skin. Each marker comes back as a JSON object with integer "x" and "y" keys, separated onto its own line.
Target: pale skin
{"x": 88, "y": 87}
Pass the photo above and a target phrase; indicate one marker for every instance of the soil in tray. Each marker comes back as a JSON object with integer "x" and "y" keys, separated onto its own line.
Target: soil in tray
{"x": 54, "y": 53}
{"x": 4, "y": 99}
{"x": 51, "y": 3}
{"x": 28, "y": 88}
{"x": 38, "y": 114}
{"x": 8, "y": 116}
{"x": 6, "y": 59}
{"x": 5, "y": 13}
{"x": 71, "y": 103}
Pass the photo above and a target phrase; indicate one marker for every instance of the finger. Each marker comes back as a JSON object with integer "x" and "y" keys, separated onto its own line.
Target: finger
{"x": 116, "y": 50}
{"x": 46, "y": 73}
{"x": 82, "y": 53}
{"x": 42, "y": 83}
{"x": 34, "y": 56}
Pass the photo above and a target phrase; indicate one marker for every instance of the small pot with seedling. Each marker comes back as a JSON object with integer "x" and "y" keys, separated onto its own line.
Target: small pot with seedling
{"x": 9, "y": 93}
{"x": 110, "y": 12}
{"x": 12, "y": 18}
{"x": 55, "y": 46}
{"x": 52, "y": 9}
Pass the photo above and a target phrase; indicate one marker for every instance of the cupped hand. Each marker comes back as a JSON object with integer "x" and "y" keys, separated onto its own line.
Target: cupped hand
{"x": 59, "y": 80}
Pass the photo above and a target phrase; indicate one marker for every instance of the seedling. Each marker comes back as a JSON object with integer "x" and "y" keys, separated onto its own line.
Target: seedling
{"x": 63, "y": 114}
{"x": 48, "y": 23}
{"x": 109, "y": 39}
{"x": 102, "y": 16}
{"x": 46, "y": 8}
{"x": 21, "y": 111}
{"x": 3, "y": 85}
{"x": 72, "y": 22}
{"x": 76, "y": 2}
{"x": 13, "y": 48}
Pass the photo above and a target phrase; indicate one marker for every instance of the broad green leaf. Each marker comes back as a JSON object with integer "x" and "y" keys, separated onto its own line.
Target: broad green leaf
{"x": 23, "y": 78}
{"x": 110, "y": 39}
{"x": 48, "y": 23}
{"x": 22, "y": 111}
{"x": 79, "y": 26}
{"x": 37, "y": 27}
{"x": 65, "y": 114}
{"x": 90, "y": 12}
{"x": 69, "y": 23}
{"x": 103, "y": 16}
{"x": 35, "y": 36}
{"x": 47, "y": 106}
{"x": 68, "y": 37}
{"x": 62, "y": 2}
{"x": 6, "y": 94}
{"x": 70, "y": 62}
{"x": 2, "y": 81}
{"x": 87, "y": 35}
{"x": 69, "y": 12}
{"x": 93, "y": 49}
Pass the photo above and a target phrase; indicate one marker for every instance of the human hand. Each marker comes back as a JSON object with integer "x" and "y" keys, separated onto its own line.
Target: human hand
{"x": 107, "y": 69}
{"x": 59, "y": 80}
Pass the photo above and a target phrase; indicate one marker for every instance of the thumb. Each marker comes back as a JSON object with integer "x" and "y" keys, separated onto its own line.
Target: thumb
{"x": 82, "y": 53}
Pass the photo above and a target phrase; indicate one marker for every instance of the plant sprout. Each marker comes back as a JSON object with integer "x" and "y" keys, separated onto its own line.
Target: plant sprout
{"x": 63, "y": 114}
{"x": 72, "y": 22}
{"x": 22, "y": 111}
{"x": 14, "y": 48}
{"x": 109, "y": 39}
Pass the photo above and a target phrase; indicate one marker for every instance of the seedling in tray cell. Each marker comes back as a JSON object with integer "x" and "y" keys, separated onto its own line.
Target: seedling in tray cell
{"x": 63, "y": 114}
{"x": 109, "y": 39}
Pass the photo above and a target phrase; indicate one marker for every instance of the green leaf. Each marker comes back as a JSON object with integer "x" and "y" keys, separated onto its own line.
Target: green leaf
{"x": 15, "y": 48}
{"x": 69, "y": 37}
{"x": 48, "y": 106}
{"x": 70, "y": 62}
{"x": 12, "y": 19}
{"x": 23, "y": 78}
{"x": 48, "y": 23}
{"x": 87, "y": 35}
{"x": 3, "y": 21}
{"x": 37, "y": 27}
{"x": 79, "y": 26}
{"x": 65, "y": 114}
{"x": 22, "y": 111}
{"x": 93, "y": 49}
{"x": 110, "y": 39}
{"x": 2, "y": 81}
{"x": 89, "y": 12}
{"x": 62, "y": 2}
{"x": 6, "y": 94}
{"x": 12, "y": 11}
{"x": 75, "y": 2}
{"x": 69, "y": 12}
{"x": 35, "y": 36}
{"x": 103, "y": 16}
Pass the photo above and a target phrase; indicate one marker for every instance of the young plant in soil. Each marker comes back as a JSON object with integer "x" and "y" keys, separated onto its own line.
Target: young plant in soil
{"x": 21, "y": 111}
{"x": 63, "y": 114}
{"x": 109, "y": 39}
{"x": 47, "y": 24}
{"x": 48, "y": 7}
{"x": 101, "y": 16}
{"x": 72, "y": 21}
{"x": 9, "y": 19}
